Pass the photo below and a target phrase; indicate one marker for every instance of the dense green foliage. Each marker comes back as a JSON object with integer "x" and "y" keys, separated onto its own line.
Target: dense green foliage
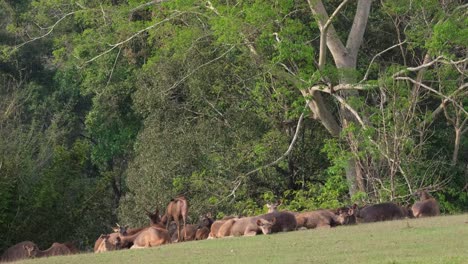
{"x": 108, "y": 108}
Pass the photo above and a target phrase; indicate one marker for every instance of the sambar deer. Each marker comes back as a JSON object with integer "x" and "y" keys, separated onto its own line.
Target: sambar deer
{"x": 380, "y": 212}
{"x": 319, "y": 218}
{"x": 177, "y": 210}
{"x": 225, "y": 229}
{"x": 250, "y": 226}
{"x": 149, "y": 237}
{"x": 57, "y": 249}
{"x": 105, "y": 245}
{"x": 273, "y": 207}
{"x": 217, "y": 225}
{"x": 204, "y": 227}
{"x": 426, "y": 206}
{"x": 16, "y": 252}
{"x": 284, "y": 221}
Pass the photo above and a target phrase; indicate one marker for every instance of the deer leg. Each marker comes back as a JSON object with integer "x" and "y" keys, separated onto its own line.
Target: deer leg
{"x": 250, "y": 233}
{"x": 185, "y": 229}
{"x": 178, "y": 230}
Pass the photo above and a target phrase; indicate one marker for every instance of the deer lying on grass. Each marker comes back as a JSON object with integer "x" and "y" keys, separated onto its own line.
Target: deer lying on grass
{"x": 216, "y": 226}
{"x": 57, "y": 249}
{"x": 247, "y": 226}
{"x": 380, "y": 212}
{"x": 112, "y": 239}
{"x": 149, "y": 237}
{"x": 16, "y": 252}
{"x": 188, "y": 233}
{"x": 204, "y": 227}
{"x": 225, "y": 229}
{"x": 348, "y": 213}
{"x": 105, "y": 244}
{"x": 177, "y": 209}
{"x": 426, "y": 206}
{"x": 319, "y": 218}
{"x": 283, "y": 221}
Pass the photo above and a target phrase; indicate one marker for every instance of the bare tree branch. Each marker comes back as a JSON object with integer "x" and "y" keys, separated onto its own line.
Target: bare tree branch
{"x": 377, "y": 55}
{"x": 323, "y": 35}
{"x": 334, "y": 43}
{"x": 434, "y": 91}
{"x": 51, "y": 28}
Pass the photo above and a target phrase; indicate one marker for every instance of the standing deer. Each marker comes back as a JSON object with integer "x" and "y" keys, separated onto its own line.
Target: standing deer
{"x": 176, "y": 209}
{"x": 426, "y": 206}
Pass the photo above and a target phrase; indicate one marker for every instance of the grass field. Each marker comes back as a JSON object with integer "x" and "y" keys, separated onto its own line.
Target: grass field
{"x": 431, "y": 240}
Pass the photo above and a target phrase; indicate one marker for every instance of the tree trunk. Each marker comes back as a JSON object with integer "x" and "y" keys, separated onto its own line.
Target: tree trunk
{"x": 345, "y": 58}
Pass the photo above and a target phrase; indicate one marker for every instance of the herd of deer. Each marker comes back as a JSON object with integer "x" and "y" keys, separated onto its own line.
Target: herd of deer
{"x": 167, "y": 229}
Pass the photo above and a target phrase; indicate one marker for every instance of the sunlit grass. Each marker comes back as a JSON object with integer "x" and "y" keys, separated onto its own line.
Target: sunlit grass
{"x": 431, "y": 240}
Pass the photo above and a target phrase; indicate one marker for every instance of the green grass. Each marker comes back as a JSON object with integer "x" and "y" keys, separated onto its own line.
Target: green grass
{"x": 431, "y": 240}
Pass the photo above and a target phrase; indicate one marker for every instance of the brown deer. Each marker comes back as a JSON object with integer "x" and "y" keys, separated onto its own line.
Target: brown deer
{"x": 273, "y": 207}
{"x": 380, "y": 212}
{"x": 155, "y": 220}
{"x": 225, "y": 229}
{"x": 216, "y": 226}
{"x": 188, "y": 233}
{"x": 57, "y": 249}
{"x": 177, "y": 209}
{"x": 204, "y": 227}
{"x": 284, "y": 221}
{"x": 426, "y": 206}
{"x": 250, "y": 226}
{"x": 319, "y": 218}
{"x": 105, "y": 244}
{"x": 347, "y": 212}
{"x": 16, "y": 252}
{"x": 112, "y": 238}
{"x": 149, "y": 237}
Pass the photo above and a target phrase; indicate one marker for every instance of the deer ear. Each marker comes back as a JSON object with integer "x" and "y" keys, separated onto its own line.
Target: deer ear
{"x": 259, "y": 222}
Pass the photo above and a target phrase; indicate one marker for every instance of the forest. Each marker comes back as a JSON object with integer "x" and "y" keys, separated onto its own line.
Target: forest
{"x": 109, "y": 108}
